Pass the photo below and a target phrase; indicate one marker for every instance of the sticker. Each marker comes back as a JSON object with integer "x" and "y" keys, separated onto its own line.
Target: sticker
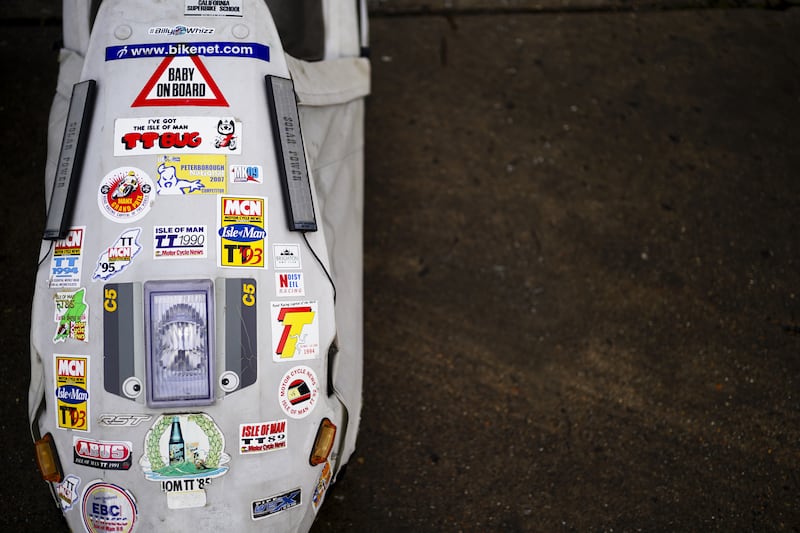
{"x": 120, "y": 421}
{"x": 65, "y": 267}
{"x": 322, "y": 486}
{"x": 295, "y": 330}
{"x": 72, "y": 392}
{"x": 215, "y": 8}
{"x": 180, "y": 30}
{"x": 180, "y": 81}
{"x": 119, "y": 255}
{"x": 67, "y": 492}
{"x": 262, "y": 437}
{"x": 108, "y": 455}
{"x": 191, "y": 174}
{"x": 298, "y": 392}
{"x": 184, "y": 453}
{"x": 286, "y": 256}
{"x": 174, "y": 135}
{"x": 206, "y": 49}
{"x": 243, "y": 231}
{"x": 107, "y": 507}
{"x": 275, "y": 504}
{"x": 247, "y": 174}
{"x": 289, "y": 284}
{"x": 71, "y": 316}
{"x": 180, "y": 242}
{"x": 125, "y": 194}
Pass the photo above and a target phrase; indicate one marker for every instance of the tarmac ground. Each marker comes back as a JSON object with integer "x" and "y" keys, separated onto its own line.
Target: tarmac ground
{"x": 582, "y": 272}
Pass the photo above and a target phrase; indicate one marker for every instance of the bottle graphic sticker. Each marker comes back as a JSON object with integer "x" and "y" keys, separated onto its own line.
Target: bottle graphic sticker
{"x": 176, "y": 445}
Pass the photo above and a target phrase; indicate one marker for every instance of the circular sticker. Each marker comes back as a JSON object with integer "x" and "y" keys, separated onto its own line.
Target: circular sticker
{"x": 298, "y": 392}
{"x": 125, "y": 194}
{"x": 107, "y": 507}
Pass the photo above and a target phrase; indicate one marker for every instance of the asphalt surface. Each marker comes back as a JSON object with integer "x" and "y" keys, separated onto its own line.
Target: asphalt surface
{"x": 582, "y": 273}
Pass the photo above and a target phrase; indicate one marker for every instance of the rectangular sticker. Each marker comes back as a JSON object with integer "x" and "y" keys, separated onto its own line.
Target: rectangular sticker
{"x": 213, "y": 8}
{"x": 65, "y": 267}
{"x": 206, "y": 49}
{"x": 295, "y": 330}
{"x": 289, "y": 284}
{"x": 322, "y": 485}
{"x": 72, "y": 392}
{"x": 71, "y": 316}
{"x": 181, "y": 175}
{"x": 275, "y": 504}
{"x": 262, "y": 437}
{"x": 286, "y": 256}
{"x": 243, "y": 231}
{"x": 108, "y": 455}
{"x": 180, "y": 242}
{"x": 247, "y": 174}
{"x": 177, "y": 135}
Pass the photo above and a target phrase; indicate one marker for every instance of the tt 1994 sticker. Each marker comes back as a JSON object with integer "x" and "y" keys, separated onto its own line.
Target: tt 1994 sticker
{"x": 125, "y": 194}
{"x": 243, "y": 231}
{"x": 295, "y": 330}
{"x": 177, "y": 135}
{"x": 180, "y": 242}
{"x": 65, "y": 267}
{"x": 191, "y": 174}
{"x": 71, "y": 316}
{"x": 119, "y": 255}
{"x": 298, "y": 391}
{"x": 275, "y": 504}
{"x": 262, "y": 437}
{"x": 72, "y": 392}
{"x": 107, "y": 507}
{"x": 108, "y": 455}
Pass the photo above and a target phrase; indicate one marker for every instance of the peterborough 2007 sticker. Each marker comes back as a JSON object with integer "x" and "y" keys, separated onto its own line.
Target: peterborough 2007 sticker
{"x": 191, "y": 174}
{"x": 65, "y": 267}
{"x": 71, "y": 316}
{"x": 107, "y": 507}
{"x": 119, "y": 255}
{"x": 298, "y": 392}
{"x": 125, "y": 194}
{"x": 72, "y": 392}
{"x": 243, "y": 231}
{"x": 295, "y": 330}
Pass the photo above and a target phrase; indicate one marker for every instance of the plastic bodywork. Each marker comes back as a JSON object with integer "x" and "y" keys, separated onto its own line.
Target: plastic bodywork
{"x": 248, "y": 380}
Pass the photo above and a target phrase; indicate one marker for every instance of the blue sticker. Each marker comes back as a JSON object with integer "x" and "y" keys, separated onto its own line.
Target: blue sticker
{"x": 275, "y": 504}
{"x": 209, "y": 49}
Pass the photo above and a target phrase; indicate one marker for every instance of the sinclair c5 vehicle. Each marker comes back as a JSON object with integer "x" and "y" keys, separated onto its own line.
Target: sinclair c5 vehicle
{"x": 196, "y": 353}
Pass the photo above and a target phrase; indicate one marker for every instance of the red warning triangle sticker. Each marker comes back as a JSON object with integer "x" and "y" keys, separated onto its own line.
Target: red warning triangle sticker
{"x": 180, "y": 80}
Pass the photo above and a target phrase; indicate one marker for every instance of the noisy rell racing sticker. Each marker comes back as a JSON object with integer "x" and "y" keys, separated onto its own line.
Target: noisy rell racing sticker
{"x": 243, "y": 231}
{"x": 125, "y": 194}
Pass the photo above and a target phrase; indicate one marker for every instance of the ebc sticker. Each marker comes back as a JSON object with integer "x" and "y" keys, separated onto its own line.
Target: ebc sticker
{"x": 65, "y": 267}
{"x": 242, "y": 233}
{"x": 71, "y": 316}
{"x": 72, "y": 392}
{"x": 218, "y": 8}
{"x": 262, "y": 437}
{"x": 67, "y": 492}
{"x": 295, "y": 330}
{"x": 177, "y": 135}
{"x": 125, "y": 194}
{"x": 181, "y": 175}
{"x": 108, "y": 455}
{"x": 246, "y": 174}
{"x": 286, "y": 256}
{"x": 298, "y": 392}
{"x": 180, "y": 242}
{"x": 119, "y": 255}
{"x": 275, "y": 504}
{"x": 107, "y": 507}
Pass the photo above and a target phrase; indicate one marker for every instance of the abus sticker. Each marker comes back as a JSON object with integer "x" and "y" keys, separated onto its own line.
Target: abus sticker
{"x": 262, "y": 437}
{"x": 72, "y": 392}
{"x": 107, "y": 507}
{"x": 108, "y": 455}
{"x": 65, "y": 267}
{"x": 295, "y": 330}
{"x": 177, "y": 135}
{"x": 125, "y": 194}
{"x": 298, "y": 392}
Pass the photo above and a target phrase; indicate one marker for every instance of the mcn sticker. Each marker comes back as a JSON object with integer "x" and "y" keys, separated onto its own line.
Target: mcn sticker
{"x": 242, "y": 234}
{"x": 298, "y": 392}
{"x": 72, "y": 392}
{"x": 65, "y": 267}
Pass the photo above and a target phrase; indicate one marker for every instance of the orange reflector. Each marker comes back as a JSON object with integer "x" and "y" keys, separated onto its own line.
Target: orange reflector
{"x": 323, "y": 444}
{"x": 47, "y": 459}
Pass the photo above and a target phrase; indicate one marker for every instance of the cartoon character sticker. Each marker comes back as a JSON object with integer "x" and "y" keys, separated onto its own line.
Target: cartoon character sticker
{"x": 227, "y": 134}
{"x": 125, "y": 194}
{"x": 71, "y": 316}
{"x": 119, "y": 255}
